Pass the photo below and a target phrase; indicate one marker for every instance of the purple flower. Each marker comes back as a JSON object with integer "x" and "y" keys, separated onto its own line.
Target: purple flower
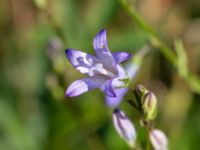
{"x": 103, "y": 70}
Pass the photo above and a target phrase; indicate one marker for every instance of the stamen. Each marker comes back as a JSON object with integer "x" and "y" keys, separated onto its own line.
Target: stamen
{"x": 90, "y": 61}
{"x": 100, "y": 69}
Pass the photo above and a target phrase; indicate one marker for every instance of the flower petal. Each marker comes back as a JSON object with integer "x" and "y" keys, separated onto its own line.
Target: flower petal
{"x": 76, "y": 88}
{"x": 107, "y": 88}
{"x": 122, "y": 79}
{"x": 115, "y": 101}
{"x": 80, "y": 60}
{"x": 121, "y": 72}
{"x": 81, "y": 86}
{"x": 100, "y": 42}
{"x": 132, "y": 69}
{"x": 102, "y": 51}
{"x": 121, "y": 56}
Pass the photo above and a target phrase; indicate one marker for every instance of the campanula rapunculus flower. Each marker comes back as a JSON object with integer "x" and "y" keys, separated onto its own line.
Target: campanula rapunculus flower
{"x": 103, "y": 70}
{"x": 124, "y": 127}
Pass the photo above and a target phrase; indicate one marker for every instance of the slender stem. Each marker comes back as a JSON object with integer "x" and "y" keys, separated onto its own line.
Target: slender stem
{"x": 192, "y": 80}
{"x": 153, "y": 37}
{"x": 148, "y": 146}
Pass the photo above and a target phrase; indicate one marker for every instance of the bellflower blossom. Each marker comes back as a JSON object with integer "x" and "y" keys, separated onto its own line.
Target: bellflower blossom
{"x": 103, "y": 70}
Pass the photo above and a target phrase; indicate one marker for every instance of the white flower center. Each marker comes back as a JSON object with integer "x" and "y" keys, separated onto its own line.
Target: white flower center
{"x": 98, "y": 68}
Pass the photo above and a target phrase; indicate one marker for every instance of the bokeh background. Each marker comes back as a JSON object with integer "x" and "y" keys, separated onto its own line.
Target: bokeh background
{"x": 34, "y": 72}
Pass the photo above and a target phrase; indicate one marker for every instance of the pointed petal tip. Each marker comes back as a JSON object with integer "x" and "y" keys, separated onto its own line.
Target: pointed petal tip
{"x": 101, "y": 35}
{"x": 68, "y": 93}
{"x": 102, "y": 30}
{"x": 128, "y": 55}
{"x": 71, "y": 93}
{"x": 121, "y": 56}
{"x": 68, "y": 52}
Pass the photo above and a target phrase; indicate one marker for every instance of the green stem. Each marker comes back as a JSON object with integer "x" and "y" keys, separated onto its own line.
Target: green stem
{"x": 192, "y": 80}
{"x": 148, "y": 146}
{"x": 153, "y": 37}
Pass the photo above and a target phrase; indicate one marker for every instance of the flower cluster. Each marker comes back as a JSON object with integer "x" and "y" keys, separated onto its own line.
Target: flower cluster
{"x": 148, "y": 104}
{"x": 105, "y": 72}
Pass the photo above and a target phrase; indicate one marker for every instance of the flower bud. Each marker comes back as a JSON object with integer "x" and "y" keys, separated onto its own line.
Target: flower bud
{"x": 124, "y": 127}
{"x": 149, "y": 103}
{"x": 158, "y": 139}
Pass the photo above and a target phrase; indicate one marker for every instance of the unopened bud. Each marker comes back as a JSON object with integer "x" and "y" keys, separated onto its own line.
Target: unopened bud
{"x": 124, "y": 127}
{"x": 158, "y": 139}
{"x": 149, "y": 105}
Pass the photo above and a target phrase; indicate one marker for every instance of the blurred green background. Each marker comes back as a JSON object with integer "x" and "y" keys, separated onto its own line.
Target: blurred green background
{"x": 34, "y": 73}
